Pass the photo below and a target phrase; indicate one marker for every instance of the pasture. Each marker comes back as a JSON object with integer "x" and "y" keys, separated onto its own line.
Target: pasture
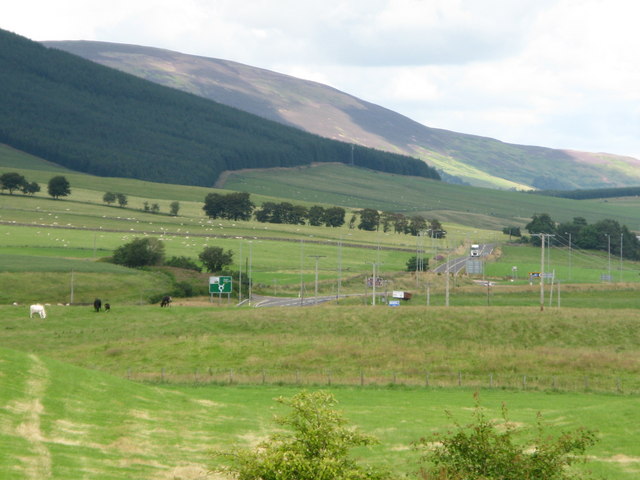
{"x": 144, "y": 392}
{"x": 101, "y": 427}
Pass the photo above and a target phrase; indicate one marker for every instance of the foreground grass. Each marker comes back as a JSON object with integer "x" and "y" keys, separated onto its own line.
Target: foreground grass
{"x": 567, "y": 349}
{"x": 60, "y": 422}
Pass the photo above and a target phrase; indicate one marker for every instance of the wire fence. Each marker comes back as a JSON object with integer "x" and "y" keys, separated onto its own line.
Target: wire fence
{"x": 628, "y": 385}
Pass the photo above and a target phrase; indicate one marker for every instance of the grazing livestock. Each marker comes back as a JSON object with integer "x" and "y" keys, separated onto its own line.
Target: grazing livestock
{"x": 37, "y": 309}
{"x": 166, "y": 301}
{"x": 97, "y": 304}
{"x": 107, "y": 307}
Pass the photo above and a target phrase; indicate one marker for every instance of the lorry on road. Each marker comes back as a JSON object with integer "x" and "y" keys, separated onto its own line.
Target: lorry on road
{"x": 475, "y": 250}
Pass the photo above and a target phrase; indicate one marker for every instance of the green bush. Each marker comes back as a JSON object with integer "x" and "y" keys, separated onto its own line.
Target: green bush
{"x": 315, "y": 447}
{"x": 485, "y": 450}
{"x": 183, "y": 262}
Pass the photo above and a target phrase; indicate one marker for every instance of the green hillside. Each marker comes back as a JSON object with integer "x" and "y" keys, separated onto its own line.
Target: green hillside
{"x": 472, "y": 206}
{"x": 330, "y": 113}
{"x": 97, "y": 120}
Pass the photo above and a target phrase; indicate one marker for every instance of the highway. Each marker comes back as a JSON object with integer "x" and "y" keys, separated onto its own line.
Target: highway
{"x": 457, "y": 264}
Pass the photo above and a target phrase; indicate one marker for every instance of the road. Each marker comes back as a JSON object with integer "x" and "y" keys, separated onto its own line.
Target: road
{"x": 457, "y": 264}
{"x": 261, "y": 301}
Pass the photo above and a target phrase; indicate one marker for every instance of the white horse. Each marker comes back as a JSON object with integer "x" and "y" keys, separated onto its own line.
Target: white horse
{"x": 37, "y": 309}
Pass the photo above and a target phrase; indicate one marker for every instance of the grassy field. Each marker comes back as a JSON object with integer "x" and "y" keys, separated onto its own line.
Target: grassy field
{"x": 144, "y": 392}
{"x": 58, "y": 421}
{"x": 557, "y": 348}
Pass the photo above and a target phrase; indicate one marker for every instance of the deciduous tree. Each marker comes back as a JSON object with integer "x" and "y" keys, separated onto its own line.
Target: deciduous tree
{"x": 12, "y": 181}
{"x": 140, "y": 252}
{"x": 109, "y": 198}
{"x": 315, "y": 445}
{"x": 59, "y": 187}
{"x": 215, "y": 258}
{"x": 29, "y": 188}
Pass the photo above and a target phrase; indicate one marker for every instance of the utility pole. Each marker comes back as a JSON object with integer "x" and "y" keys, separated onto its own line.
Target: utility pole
{"x": 339, "y": 269}
{"x": 446, "y": 297}
{"x": 570, "y": 265}
{"x": 609, "y": 253}
{"x": 240, "y": 275}
{"x": 317, "y": 257}
{"x": 250, "y": 273}
{"x": 543, "y": 238}
{"x": 621, "y": 240}
{"x": 374, "y": 265}
{"x": 301, "y": 275}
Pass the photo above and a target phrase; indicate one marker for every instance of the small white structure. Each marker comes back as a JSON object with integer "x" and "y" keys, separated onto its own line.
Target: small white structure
{"x": 37, "y": 309}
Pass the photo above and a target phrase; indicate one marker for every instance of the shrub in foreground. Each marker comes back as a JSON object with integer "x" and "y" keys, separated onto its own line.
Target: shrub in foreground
{"x": 316, "y": 446}
{"x": 485, "y": 450}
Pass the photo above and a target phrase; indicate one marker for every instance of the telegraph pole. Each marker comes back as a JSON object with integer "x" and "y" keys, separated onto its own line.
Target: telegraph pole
{"x": 317, "y": 257}
{"x": 621, "y": 240}
{"x": 301, "y": 273}
{"x": 339, "y": 269}
{"x": 374, "y": 265}
{"x": 570, "y": 263}
{"x": 543, "y": 237}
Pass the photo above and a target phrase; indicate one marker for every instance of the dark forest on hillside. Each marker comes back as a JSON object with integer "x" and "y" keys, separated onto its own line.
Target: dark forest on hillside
{"x": 100, "y": 121}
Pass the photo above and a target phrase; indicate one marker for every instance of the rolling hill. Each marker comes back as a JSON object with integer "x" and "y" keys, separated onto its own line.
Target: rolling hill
{"x": 98, "y": 120}
{"x": 334, "y": 114}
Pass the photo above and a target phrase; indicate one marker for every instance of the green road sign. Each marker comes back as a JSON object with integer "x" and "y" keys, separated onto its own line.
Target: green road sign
{"x": 220, "y": 284}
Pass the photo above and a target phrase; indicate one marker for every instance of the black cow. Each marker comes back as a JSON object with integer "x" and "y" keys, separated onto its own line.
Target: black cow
{"x": 166, "y": 301}
{"x": 97, "y": 304}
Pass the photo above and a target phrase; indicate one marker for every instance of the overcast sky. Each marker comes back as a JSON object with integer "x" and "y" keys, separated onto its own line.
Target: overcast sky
{"x": 555, "y": 73}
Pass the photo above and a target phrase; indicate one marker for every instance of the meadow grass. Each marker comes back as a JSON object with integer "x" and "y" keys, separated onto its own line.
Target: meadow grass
{"x": 348, "y": 343}
{"x": 97, "y": 426}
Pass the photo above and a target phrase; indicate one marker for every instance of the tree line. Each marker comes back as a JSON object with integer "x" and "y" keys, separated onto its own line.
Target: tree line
{"x": 589, "y": 194}
{"x": 98, "y": 120}
{"x": 238, "y": 206}
{"x": 123, "y": 201}
{"x": 605, "y": 235}
{"x": 58, "y": 186}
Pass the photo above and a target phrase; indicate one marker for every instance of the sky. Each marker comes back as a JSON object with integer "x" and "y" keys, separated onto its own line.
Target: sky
{"x": 553, "y": 73}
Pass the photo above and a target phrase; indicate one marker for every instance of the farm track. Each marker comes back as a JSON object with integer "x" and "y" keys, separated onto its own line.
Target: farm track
{"x": 204, "y": 235}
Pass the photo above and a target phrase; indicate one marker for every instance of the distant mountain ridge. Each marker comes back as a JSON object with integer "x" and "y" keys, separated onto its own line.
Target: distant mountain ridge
{"x": 334, "y": 114}
{"x": 95, "y": 119}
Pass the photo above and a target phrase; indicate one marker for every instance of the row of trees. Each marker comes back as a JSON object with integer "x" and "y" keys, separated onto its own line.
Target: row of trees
{"x": 123, "y": 201}
{"x": 285, "y": 212}
{"x": 606, "y": 235}
{"x": 373, "y": 220}
{"x": 58, "y": 186}
{"x": 238, "y": 206}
